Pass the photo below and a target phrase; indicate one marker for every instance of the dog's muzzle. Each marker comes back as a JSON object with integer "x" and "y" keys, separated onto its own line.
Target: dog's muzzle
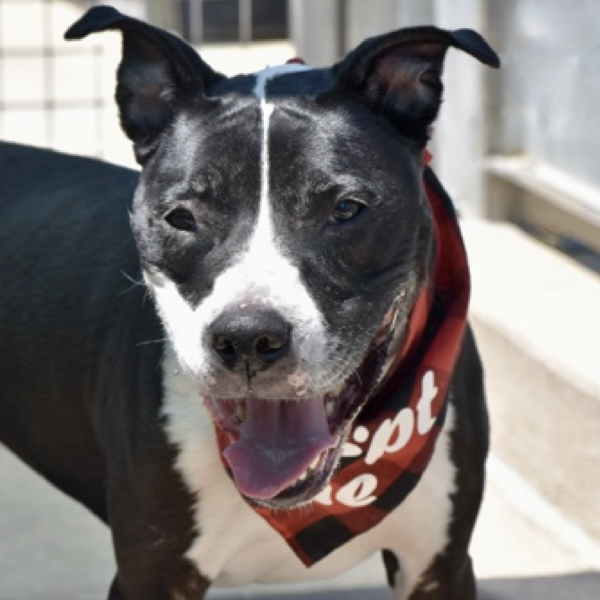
{"x": 282, "y": 452}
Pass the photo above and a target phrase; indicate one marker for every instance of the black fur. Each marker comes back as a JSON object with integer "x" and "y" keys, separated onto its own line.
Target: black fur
{"x": 80, "y": 380}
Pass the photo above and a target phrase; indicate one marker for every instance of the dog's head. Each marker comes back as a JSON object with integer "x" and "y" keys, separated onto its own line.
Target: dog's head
{"x": 283, "y": 231}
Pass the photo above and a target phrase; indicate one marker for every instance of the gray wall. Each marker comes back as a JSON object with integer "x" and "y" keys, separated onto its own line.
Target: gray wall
{"x": 460, "y": 136}
{"x": 315, "y": 28}
{"x": 550, "y": 93}
{"x": 543, "y": 102}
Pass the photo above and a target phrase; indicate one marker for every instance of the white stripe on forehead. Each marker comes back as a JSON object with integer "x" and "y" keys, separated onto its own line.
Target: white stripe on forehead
{"x": 262, "y": 77}
{"x": 263, "y": 238}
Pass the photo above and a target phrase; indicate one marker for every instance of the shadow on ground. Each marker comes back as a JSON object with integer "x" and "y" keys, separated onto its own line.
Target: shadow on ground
{"x": 577, "y": 586}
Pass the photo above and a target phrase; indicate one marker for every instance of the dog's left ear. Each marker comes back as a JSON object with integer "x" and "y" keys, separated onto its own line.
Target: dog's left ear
{"x": 159, "y": 73}
{"x": 399, "y": 73}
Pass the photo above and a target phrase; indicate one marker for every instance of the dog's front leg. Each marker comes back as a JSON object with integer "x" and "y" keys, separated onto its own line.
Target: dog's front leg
{"x": 113, "y": 592}
{"x": 187, "y": 584}
{"x": 448, "y": 578}
{"x": 150, "y": 516}
{"x": 151, "y": 561}
{"x": 150, "y": 511}
{"x": 445, "y": 582}
{"x": 443, "y": 570}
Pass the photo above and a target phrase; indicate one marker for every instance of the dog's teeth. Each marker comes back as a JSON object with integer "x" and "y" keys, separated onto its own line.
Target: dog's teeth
{"x": 330, "y": 408}
{"x": 240, "y": 411}
{"x": 312, "y": 467}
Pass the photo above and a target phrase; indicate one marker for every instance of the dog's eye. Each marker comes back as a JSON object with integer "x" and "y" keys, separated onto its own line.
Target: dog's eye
{"x": 181, "y": 219}
{"x": 346, "y": 210}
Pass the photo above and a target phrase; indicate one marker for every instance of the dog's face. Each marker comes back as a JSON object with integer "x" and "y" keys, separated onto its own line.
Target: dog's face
{"x": 279, "y": 249}
{"x": 284, "y": 234}
{"x": 273, "y": 259}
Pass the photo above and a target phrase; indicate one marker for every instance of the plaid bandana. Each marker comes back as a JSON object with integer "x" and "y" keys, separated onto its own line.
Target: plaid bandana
{"x": 393, "y": 439}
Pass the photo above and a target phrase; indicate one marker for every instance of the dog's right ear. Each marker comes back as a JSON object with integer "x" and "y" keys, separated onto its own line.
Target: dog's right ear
{"x": 399, "y": 74}
{"x": 158, "y": 74}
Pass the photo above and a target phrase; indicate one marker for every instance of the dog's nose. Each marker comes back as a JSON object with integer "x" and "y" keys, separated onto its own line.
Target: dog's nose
{"x": 253, "y": 338}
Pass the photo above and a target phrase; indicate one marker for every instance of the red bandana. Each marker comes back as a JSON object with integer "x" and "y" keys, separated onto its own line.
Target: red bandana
{"x": 392, "y": 440}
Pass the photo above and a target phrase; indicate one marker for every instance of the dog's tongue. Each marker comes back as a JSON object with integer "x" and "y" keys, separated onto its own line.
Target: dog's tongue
{"x": 278, "y": 442}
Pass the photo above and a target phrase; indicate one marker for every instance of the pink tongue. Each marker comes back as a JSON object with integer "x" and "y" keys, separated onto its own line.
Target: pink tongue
{"x": 278, "y": 442}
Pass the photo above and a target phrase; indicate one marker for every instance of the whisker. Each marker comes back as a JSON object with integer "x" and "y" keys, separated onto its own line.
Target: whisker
{"x": 357, "y": 375}
{"x": 145, "y": 297}
{"x": 135, "y": 283}
{"x": 149, "y": 342}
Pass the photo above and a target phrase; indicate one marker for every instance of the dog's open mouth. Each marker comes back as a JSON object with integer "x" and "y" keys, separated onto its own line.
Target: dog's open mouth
{"x": 282, "y": 453}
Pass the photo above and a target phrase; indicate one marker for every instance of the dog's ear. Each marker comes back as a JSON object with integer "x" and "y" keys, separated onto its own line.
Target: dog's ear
{"x": 399, "y": 73}
{"x": 158, "y": 73}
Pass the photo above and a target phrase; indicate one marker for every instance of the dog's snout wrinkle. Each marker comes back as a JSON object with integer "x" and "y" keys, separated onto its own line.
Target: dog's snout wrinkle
{"x": 251, "y": 338}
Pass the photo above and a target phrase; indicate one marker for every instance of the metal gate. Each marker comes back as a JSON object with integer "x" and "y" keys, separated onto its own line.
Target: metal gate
{"x": 50, "y": 92}
{"x": 208, "y": 21}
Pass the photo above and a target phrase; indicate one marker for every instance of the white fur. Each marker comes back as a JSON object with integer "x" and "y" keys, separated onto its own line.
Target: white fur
{"x": 237, "y": 547}
{"x": 262, "y": 276}
{"x": 262, "y": 77}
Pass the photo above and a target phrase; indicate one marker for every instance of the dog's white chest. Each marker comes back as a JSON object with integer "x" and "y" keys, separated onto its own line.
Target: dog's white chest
{"x": 236, "y": 546}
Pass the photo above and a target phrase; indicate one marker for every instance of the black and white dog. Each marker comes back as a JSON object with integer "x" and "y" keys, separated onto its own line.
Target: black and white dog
{"x": 274, "y": 410}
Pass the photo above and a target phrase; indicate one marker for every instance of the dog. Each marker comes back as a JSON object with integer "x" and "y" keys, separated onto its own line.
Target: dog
{"x": 250, "y": 359}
